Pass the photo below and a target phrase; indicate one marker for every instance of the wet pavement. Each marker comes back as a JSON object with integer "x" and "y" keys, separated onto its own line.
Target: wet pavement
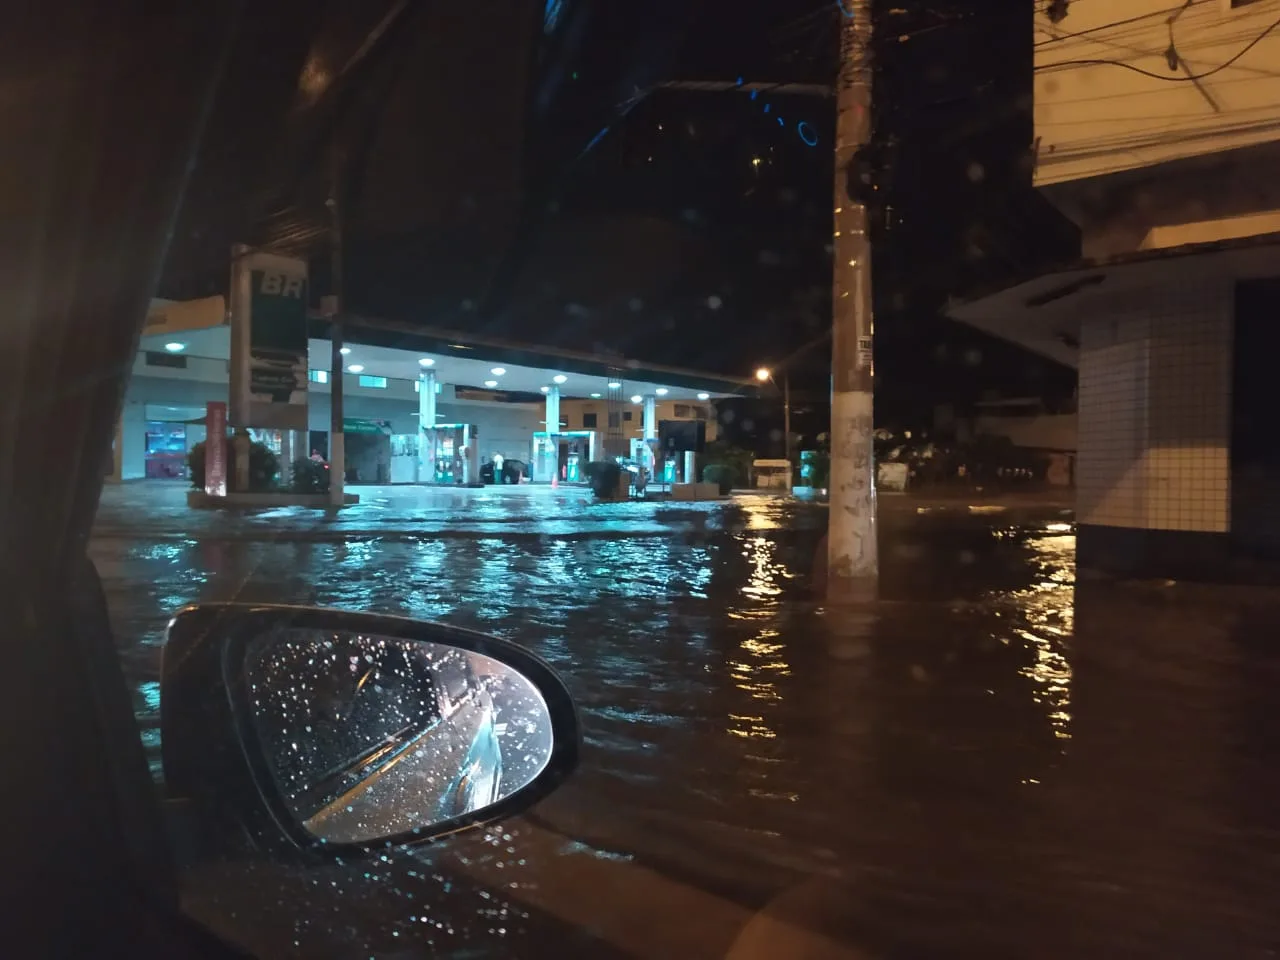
{"x": 992, "y": 761}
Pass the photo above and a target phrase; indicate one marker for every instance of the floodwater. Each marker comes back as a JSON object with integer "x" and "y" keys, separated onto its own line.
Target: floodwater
{"x": 993, "y": 761}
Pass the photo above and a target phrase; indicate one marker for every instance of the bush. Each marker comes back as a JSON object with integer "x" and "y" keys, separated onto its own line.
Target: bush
{"x": 195, "y": 465}
{"x": 721, "y": 474}
{"x": 603, "y": 475}
{"x": 819, "y": 468}
{"x": 309, "y": 476}
{"x": 735, "y": 460}
{"x": 264, "y": 466}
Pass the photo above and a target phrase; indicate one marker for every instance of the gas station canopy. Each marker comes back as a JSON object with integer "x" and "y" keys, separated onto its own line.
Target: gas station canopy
{"x": 403, "y": 352}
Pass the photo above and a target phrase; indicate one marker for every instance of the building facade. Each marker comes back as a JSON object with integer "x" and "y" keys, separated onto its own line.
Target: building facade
{"x": 1157, "y": 130}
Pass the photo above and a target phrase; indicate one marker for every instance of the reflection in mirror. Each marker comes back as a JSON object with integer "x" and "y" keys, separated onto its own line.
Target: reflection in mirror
{"x": 369, "y": 737}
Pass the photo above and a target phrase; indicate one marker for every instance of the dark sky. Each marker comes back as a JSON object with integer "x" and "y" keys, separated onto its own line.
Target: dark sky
{"x": 539, "y": 184}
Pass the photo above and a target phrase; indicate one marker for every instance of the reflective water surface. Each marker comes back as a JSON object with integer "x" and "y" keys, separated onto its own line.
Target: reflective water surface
{"x": 992, "y": 761}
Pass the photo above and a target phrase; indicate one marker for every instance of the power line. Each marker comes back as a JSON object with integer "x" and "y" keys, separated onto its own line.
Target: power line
{"x": 1189, "y": 78}
{"x": 1105, "y": 26}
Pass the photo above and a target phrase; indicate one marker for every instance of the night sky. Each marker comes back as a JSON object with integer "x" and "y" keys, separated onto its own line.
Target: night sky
{"x": 541, "y": 184}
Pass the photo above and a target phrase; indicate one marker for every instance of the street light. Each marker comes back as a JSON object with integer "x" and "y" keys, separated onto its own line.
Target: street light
{"x": 764, "y": 374}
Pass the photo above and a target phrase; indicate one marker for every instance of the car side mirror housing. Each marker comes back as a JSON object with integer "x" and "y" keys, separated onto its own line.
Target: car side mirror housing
{"x": 339, "y": 733}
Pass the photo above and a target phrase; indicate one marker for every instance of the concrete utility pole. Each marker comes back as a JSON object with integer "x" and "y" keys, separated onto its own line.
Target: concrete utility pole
{"x": 852, "y": 564}
{"x": 335, "y": 306}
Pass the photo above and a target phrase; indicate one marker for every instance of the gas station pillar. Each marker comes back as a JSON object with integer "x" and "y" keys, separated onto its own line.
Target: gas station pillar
{"x": 426, "y": 425}
{"x": 650, "y": 435}
{"x": 553, "y": 410}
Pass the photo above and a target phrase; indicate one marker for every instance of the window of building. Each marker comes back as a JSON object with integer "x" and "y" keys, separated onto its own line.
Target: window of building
{"x": 682, "y": 411}
{"x": 588, "y": 421}
{"x": 700, "y": 413}
{"x": 166, "y": 438}
{"x": 157, "y": 359}
{"x": 318, "y": 376}
{"x": 376, "y": 383}
{"x": 615, "y": 420}
{"x": 626, "y": 415}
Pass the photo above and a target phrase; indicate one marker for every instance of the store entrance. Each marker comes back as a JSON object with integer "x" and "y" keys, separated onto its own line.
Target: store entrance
{"x": 367, "y": 448}
{"x": 171, "y": 432}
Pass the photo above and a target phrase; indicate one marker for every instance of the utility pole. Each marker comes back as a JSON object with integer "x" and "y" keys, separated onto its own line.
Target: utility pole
{"x": 335, "y": 306}
{"x": 786, "y": 422}
{"x": 852, "y": 564}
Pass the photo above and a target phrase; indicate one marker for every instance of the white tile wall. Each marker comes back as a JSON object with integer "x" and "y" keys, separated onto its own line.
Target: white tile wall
{"x": 1155, "y": 411}
{"x": 1112, "y": 422}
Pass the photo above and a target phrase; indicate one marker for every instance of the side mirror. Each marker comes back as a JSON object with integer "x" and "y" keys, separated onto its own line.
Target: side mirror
{"x": 335, "y": 732}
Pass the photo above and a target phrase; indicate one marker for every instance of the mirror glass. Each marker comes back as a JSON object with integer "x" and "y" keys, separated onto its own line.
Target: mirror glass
{"x": 369, "y": 737}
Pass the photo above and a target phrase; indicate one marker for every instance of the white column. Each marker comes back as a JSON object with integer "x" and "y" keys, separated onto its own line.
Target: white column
{"x": 553, "y": 410}
{"x": 650, "y": 432}
{"x": 471, "y": 458}
{"x": 286, "y": 458}
{"x": 426, "y": 419}
{"x": 690, "y": 467}
{"x": 133, "y": 440}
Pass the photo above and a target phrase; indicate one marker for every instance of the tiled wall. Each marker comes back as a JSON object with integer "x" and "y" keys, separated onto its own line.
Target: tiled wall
{"x": 1155, "y": 381}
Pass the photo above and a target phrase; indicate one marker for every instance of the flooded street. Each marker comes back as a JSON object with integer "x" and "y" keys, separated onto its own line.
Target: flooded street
{"x": 992, "y": 762}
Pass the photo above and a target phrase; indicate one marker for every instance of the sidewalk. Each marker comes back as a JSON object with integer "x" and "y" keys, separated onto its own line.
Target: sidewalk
{"x": 157, "y": 509}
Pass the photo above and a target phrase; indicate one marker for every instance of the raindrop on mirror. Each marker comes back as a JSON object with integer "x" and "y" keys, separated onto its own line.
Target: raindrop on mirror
{"x": 374, "y": 737}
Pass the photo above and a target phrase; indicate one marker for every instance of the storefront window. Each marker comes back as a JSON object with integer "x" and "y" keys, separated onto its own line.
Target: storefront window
{"x": 271, "y": 439}
{"x": 166, "y": 456}
{"x": 166, "y": 438}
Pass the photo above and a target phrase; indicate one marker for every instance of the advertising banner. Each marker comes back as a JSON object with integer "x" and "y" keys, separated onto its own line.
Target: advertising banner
{"x": 215, "y": 449}
{"x": 268, "y": 340}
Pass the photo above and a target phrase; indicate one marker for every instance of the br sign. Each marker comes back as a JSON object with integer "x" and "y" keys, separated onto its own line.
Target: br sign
{"x": 269, "y": 341}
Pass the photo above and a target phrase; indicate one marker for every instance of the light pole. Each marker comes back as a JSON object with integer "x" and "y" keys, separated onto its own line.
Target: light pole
{"x": 765, "y": 374}
{"x": 337, "y": 444}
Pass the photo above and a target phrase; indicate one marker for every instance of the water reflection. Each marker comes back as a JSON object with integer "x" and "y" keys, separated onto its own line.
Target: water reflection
{"x": 371, "y": 737}
{"x": 758, "y": 667}
{"x": 1043, "y": 620}
{"x": 743, "y": 740}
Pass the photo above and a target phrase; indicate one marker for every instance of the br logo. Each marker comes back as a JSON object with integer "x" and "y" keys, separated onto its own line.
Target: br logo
{"x": 283, "y": 285}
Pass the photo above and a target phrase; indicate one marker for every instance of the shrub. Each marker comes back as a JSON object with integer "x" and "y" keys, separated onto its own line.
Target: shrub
{"x": 819, "y": 464}
{"x": 309, "y": 476}
{"x": 195, "y": 465}
{"x": 603, "y": 475}
{"x": 721, "y": 474}
{"x": 264, "y": 466}
{"x": 735, "y": 459}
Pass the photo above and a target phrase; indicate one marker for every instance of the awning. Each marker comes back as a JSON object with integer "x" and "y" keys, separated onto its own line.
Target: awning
{"x": 1044, "y": 314}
